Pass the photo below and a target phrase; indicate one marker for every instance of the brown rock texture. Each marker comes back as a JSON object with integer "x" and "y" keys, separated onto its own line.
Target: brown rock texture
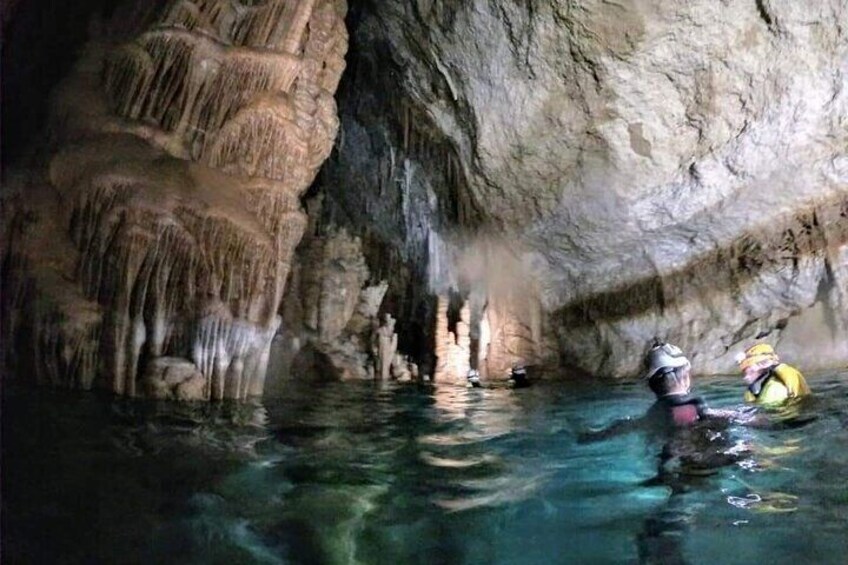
{"x": 330, "y": 313}
{"x": 152, "y": 254}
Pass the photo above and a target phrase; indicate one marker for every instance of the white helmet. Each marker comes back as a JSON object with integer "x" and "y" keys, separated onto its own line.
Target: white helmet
{"x": 664, "y": 356}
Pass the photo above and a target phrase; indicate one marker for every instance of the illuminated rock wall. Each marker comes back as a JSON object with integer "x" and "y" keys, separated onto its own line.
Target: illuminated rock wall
{"x": 152, "y": 257}
{"x": 653, "y": 169}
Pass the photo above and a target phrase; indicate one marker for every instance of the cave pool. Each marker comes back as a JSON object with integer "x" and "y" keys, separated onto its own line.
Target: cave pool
{"x": 363, "y": 473}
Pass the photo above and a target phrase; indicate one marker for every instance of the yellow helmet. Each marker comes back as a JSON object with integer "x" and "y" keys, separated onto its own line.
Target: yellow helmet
{"x": 757, "y": 354}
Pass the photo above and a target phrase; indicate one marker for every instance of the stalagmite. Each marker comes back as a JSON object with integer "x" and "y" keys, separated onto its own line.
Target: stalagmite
{"x": 443, "y": 340}
{"x": 182, "y": 155}
{"x": 453, "y": 350}
{"x": 462, "y": 351}
{"x": 484, "y": 342}
{"x": 386, "y": 347}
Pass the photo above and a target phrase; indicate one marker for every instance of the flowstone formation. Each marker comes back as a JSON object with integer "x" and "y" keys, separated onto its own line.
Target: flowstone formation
{"x": 672, "y": 170}
{"x": 153, "y": 256}
{"x": 330, "y": 313}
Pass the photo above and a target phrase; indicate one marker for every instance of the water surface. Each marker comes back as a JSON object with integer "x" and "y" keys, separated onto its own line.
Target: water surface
{"x": 359, "y": 473}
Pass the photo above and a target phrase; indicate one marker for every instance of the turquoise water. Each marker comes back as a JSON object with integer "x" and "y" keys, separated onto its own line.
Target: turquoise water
{"x": 356, "y": 473}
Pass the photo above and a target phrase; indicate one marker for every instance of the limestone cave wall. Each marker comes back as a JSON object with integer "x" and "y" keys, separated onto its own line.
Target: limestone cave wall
{"x": 599, "y": 174}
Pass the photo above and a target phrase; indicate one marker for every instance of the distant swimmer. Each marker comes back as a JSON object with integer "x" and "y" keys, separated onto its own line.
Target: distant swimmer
{"x": 770, "y": 381}
{"x": 518, "y": 377}
{"x": 474, "y": 379}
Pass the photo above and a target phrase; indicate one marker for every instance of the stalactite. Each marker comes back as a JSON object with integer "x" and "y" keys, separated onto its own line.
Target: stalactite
{"x": 184, "y": 14}
{"x": 129, "y": 69}
{"x": 173, "y": 53}
{"x": 192, "y": 85}
{"x": 392, "y": 157}
{"x": 278, "y": 24}
{"x": 242, "y": 77}
{"x": 406, "y": 132}
{"x": 220, "y": 16}
{"x": 124, "y": 283}
{"x": 54, "y": 336}
{"x": 259, "y": 142}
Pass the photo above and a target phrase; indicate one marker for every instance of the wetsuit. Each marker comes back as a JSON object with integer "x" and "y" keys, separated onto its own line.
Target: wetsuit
{"x": 692, "y": 447}
{"x": 777, "y": 384}
{"x": 679, "y": 410}
{"x": 664, "y": 417}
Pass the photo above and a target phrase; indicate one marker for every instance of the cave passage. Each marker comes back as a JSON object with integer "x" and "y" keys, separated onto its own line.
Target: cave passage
{"x": 256, "y": 253}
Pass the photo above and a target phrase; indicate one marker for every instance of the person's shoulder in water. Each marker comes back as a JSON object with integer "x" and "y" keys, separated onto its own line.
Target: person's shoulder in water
{"x": 679, "y": 410}
{"x": 668, "y": 374}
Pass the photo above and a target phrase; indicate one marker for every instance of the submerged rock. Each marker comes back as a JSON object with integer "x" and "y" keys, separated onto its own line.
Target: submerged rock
{"x": 174, "y": 378}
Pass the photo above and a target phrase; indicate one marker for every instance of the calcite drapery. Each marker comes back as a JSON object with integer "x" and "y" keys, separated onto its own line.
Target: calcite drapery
{"x": 181, "y": 158}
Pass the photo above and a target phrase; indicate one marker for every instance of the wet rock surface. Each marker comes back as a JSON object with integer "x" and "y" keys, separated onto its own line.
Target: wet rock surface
{"x": 330, "y": 312}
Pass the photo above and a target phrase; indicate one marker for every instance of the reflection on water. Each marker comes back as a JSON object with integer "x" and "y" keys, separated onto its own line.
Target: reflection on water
{"x": 346, "y": 473}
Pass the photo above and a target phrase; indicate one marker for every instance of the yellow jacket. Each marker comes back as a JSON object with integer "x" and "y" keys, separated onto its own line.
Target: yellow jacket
{"x": 781, "y": 383}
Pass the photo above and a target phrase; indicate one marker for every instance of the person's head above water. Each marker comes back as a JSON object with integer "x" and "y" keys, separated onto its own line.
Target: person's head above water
{"x": 755, "y": 360}
{"x": 668, "y": 370}
{"x": 769, "y": 380}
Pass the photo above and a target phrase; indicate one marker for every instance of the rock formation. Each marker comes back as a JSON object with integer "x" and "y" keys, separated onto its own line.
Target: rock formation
{"x": 513, "y": 340}
{"x": 330, "y": 312}
{"x": 453, "y": 348}
{"x": 151, "y": 256}
{"x": 387, "y": 343}
{"x": 333, "y": 275}
{"x": 404, "y": 371}
{"x": 589, "y": 175}
{"x": 659, "y": 170}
